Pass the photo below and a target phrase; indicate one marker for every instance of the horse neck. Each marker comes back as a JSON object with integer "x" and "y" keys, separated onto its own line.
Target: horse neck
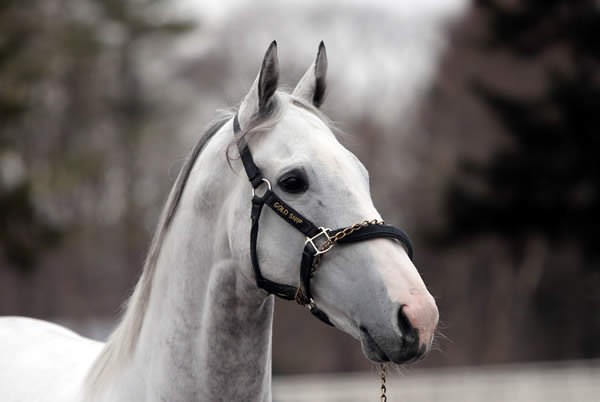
{"x": 206, "y": 329}
{"x": 206, "y": 337}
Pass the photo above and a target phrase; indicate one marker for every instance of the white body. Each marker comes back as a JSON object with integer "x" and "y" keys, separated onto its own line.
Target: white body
{"x": 41, "y": 361}
{"x": 197, "y": 328}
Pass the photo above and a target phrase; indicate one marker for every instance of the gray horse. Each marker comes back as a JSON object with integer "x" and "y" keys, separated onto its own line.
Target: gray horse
{"x": 197, "y": 327}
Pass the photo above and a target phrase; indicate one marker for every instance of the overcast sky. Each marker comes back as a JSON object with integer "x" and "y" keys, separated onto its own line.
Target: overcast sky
{"x": 383, "y": 54}
{"x": 218, "y": 10}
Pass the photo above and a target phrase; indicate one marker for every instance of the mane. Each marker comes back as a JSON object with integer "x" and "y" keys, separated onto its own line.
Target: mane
{"x": 122, "y": 342}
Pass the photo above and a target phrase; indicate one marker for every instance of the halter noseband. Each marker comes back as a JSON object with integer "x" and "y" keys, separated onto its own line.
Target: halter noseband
{"x": 319, "y": 240}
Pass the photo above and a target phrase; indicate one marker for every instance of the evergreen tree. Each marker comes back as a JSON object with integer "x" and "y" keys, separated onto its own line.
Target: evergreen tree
{"x": 24, "y": 233}
{"x": 546, "y": 183}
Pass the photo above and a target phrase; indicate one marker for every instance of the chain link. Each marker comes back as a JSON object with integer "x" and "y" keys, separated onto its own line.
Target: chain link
{"x": 351, "y": 229}
{"x": 383, "y": 397}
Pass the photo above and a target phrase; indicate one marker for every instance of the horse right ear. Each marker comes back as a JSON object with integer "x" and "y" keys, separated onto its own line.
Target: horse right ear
{"x": 312, "y": 87}
{"x": 258, "y": 100}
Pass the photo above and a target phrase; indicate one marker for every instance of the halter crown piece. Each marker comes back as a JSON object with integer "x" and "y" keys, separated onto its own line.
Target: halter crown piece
{"x": 319, "y": 240}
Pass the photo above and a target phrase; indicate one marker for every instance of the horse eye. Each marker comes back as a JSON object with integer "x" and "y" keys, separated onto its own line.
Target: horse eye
{"x": 293, "y": 182}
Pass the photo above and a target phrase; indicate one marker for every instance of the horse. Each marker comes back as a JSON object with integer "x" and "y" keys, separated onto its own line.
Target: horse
{"x": 198, "y": 324}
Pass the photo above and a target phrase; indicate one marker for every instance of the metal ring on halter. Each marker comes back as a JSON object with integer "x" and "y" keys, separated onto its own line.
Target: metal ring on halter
{"x": 312, "y": 241}
{"x": 264, "y": 181}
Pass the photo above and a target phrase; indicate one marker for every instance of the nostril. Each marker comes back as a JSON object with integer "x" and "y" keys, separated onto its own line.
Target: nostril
{"x": 410, "y": 335}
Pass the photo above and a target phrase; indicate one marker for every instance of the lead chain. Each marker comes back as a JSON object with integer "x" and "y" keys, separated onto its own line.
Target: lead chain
{"x": 351, "y": 229}
{"x": 383, "y": 397}
{"x": 334, "y": 239}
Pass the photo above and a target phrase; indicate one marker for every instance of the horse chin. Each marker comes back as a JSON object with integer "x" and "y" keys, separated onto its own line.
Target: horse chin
{"x": 371, "y": 349}
{"x": 378, "y": 354}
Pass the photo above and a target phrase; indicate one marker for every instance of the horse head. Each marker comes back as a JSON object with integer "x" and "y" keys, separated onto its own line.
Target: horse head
{"x": 369, "y": 289}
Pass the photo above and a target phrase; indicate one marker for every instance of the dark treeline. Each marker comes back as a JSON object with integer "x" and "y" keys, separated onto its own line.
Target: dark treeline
{"x": 545, "y": 182}
{"x": 75, "y": 114}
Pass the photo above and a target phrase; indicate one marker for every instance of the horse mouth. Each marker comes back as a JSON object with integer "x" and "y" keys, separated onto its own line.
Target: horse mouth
{"x": 406, "y": 353}
{"x": 371, "y": 349}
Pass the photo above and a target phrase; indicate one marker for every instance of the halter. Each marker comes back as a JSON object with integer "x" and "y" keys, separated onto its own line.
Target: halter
{"x": 319, "y": 240}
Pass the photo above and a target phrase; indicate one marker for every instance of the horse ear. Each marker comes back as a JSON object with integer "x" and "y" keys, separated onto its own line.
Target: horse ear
{"x": 312, "y": 85}
{"x": 258, "y": 99}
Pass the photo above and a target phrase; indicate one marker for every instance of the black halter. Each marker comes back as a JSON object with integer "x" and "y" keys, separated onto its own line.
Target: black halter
{"x": 319, "y": 240}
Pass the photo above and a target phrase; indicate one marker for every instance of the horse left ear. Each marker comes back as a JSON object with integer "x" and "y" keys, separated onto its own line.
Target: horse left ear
{"x": 312, "y": 85}
{"x": 259, "y": 99}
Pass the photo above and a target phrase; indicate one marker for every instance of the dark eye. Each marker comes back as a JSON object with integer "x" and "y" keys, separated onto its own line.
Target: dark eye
{"x": 294, "y": 181}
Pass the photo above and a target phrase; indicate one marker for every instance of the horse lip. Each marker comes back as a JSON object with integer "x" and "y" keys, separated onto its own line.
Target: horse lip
{"x": 371, "y": 348}
{"x": 374, "y": 352}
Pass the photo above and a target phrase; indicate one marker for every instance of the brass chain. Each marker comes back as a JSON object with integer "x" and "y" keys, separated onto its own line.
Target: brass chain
{"x": 341, "y": 234}
{"x": 383, "y": 397}
{"x": 334, "y": 239}
{"x": 351, "y": 229}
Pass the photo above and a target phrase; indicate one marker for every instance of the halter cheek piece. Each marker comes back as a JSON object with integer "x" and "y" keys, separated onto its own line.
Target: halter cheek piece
{"x": 319, "y": 240}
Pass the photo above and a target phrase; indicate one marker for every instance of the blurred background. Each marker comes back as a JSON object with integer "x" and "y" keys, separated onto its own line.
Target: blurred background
{"x": 478, "y": 120}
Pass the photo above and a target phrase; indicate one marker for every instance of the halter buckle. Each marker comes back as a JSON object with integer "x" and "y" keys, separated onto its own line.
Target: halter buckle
{"x": 327, "y": 239}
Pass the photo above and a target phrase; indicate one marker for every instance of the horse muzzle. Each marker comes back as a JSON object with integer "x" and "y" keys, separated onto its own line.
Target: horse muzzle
{"x": 411, "y": 339}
